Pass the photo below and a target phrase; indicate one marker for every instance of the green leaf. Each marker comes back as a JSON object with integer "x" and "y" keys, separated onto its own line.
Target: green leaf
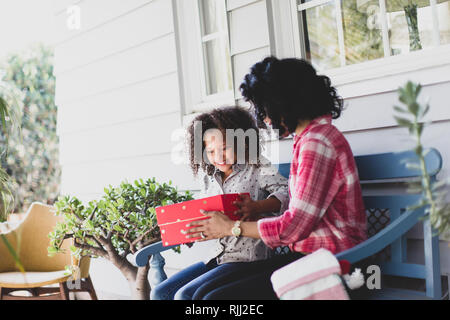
{"x": 118, "y": 228}
{"x": 413, "y": 107}
{"x": 13, "y": 253}
{"x": 401, "y": 110}
{"x": 403, "y": 122}
{"x": 89, "y": 225}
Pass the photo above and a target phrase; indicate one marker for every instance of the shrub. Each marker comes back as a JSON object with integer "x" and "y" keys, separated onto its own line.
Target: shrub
{"x": 32, "y": 158}
{"x": 120, "y": 223}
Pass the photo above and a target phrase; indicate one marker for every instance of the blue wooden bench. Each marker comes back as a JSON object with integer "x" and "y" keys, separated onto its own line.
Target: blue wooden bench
{"x": 388, "y": 222}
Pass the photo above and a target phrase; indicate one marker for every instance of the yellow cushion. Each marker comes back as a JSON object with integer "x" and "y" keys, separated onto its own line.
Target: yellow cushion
{"x": 31, "y": 279}
{"x": 29, "y": 238}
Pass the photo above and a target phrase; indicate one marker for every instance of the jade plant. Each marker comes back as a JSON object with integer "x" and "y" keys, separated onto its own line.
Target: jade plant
{"x": 434, "y": 193}
{"x": 120, "y": 223}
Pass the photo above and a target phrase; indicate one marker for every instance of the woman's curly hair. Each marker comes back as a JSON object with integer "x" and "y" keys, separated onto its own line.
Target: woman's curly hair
{"x": 288, "y": 91}
{"x": 230, "y": 117}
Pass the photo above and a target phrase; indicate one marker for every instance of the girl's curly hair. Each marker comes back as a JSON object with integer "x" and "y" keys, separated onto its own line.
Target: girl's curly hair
{"x": 288, "y": 91}
{"x": 230, "y": 117}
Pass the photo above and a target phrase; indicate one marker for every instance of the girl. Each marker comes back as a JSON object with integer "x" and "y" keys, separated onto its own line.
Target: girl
{"x": 326, "y": 208}
{"x": 227, "y": 171}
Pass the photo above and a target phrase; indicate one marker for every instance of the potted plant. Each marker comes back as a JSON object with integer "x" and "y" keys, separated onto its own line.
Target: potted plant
{"x": 120, "y": 223}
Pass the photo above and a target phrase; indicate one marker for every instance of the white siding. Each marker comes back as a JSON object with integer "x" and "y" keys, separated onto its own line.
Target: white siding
{"x": 94, "y": 13}
{"x": 118, "y": 96}
{"x": 111, "y": 38}
{"x": 118, "y": 102}
{"x": 142, "y": 100}
{"x": 249, "y": 36}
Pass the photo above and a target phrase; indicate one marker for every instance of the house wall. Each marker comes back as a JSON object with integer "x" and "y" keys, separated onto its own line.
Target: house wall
{"x": 118, "y": 101}
{"x": 119, "y": 104}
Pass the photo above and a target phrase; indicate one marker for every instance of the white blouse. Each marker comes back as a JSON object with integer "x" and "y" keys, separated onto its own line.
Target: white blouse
{"x": 261, "y": 183}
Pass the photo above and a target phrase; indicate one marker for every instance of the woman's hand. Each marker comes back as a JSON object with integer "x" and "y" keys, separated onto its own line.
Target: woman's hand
{"x": 248, "y": 209}
{"x": 217, "y": 226}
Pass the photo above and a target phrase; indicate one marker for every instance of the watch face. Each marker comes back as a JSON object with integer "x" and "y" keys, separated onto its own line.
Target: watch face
{"x": 236, "y": 231}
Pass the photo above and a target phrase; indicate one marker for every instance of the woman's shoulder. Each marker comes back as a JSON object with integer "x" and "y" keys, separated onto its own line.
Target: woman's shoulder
{"x": 328, "y": 140}
{"x": 325, "y": 134}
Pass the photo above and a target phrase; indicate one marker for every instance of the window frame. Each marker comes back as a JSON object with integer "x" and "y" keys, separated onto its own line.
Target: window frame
{"x": 287, "y": 40}
{"x": 191, "y": 60}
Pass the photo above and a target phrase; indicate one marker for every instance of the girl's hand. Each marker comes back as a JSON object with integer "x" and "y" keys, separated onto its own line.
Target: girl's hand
{"x": 248, "y": 209}
{"x": 217, "y": 226}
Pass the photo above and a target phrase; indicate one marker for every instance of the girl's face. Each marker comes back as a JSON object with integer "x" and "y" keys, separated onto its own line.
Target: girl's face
{"x": 219, "y": 154}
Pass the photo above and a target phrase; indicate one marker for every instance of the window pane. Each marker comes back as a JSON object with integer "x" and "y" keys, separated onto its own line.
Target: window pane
{"x": 443, "y": 10}
{"x": 321, "y": 38}
{"x": 217, "y": 66}
{"x": 213, "y": 16}
{"x": 410, "y": 25}
{"x": 362, "y": 31}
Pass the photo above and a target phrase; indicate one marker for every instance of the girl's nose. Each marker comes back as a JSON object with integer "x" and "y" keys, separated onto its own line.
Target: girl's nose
{"x": 220, "y": 157}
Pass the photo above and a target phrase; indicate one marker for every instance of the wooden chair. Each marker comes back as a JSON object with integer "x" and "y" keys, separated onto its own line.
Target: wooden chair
{"x": 30, "y": 240}
{"x": 380, "y": 175}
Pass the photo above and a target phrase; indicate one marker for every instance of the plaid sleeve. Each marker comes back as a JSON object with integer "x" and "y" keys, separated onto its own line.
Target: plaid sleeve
{"x": 315, "y": 186}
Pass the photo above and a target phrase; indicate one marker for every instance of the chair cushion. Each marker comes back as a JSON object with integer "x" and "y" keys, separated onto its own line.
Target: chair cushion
{"x": 31, "y": 279}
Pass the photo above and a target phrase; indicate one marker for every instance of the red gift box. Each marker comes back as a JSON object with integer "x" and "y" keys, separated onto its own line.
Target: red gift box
{"x": 172, "y": 219}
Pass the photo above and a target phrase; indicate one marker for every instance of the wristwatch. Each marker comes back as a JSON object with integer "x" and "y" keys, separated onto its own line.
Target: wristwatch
{"x": 236, "y": 230}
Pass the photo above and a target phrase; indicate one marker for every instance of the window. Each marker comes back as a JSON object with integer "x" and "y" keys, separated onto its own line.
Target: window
{"x": 215, "y": 48}
{"x": 204, "y": 54}
{"x": 338, "y": 33}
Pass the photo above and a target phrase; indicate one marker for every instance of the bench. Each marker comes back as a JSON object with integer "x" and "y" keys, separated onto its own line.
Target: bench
{"x": 382, "y": 177}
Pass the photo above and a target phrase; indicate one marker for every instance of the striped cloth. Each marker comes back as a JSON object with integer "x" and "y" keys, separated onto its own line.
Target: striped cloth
{"x": 314, "y": 277}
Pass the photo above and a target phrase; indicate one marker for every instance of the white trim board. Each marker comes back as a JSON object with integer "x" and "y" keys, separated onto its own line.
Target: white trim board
{"x": 426, "y": 67}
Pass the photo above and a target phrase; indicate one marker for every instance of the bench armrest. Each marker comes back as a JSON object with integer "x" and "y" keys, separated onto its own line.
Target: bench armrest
{"x": 141, "y": 257}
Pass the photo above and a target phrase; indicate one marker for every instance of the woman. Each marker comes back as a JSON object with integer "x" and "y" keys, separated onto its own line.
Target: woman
{"x": 326, "y": 209}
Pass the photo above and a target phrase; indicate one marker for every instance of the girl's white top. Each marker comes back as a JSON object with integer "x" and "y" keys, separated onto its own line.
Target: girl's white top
{"x": 261, "y": 183}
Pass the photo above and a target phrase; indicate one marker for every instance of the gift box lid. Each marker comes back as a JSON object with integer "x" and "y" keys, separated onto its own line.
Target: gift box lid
{"x": 190, "y": 210}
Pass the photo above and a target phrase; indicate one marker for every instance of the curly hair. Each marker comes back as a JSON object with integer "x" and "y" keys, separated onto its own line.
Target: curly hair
{"x": 288, "y": 91}
{"x": 230, "y": 117}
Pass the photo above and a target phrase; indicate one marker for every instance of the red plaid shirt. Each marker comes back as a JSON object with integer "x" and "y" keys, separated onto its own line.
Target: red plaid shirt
{"x": 326, "y": 209}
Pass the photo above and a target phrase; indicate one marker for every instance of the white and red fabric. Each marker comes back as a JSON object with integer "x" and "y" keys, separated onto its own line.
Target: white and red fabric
{"x": 313, "y": 277}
